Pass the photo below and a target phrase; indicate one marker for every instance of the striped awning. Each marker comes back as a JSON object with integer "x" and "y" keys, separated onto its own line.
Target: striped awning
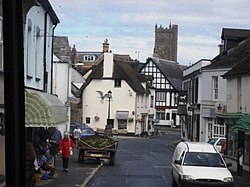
{"x": 43, "y": 109}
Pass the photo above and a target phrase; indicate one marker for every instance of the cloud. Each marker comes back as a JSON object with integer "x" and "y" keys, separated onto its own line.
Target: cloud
{"x": 129, "y": 25}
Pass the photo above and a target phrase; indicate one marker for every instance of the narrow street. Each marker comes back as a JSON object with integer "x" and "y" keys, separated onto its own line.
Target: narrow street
{"x": 140, "y": 162}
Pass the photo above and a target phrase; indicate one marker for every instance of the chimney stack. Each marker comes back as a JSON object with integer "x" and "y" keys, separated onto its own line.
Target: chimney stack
{"x": 105, "y": 46}
{"x": 221, "y": 47}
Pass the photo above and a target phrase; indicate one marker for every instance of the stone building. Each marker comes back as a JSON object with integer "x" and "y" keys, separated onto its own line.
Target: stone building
{"x": 166, "y": 42}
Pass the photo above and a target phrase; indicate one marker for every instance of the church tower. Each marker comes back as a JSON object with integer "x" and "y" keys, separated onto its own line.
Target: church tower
{"x": 166, "y": 42}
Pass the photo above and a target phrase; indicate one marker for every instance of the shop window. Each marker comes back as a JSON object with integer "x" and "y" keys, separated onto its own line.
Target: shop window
{"x": 247, "y": 149}
{"x": 160, "y": 114}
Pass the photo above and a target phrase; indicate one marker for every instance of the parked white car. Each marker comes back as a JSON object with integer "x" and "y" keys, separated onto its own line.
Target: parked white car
{"x": 199, "y": 164}
{"x": 217, "y": 142}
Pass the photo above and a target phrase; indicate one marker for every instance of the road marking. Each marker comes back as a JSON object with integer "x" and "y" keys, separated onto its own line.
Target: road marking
{"x": 162, "y": 166}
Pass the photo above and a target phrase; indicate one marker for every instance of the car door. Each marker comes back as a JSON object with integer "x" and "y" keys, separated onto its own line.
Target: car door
{"x": 177, "y": 167}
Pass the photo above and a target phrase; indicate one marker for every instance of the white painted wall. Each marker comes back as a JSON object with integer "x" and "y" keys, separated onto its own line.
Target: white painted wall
{"x": 108, "y": 65}
{"x": 61, "y": 80}
{"x": 232, "y": 90}
{"x": 207, "y": 88}
{"x": 34, "y": 48}
{"x": 245, "y": 94}
{"x": 93, "y": 105}
{"x": 207, "y": 101}
{"x": 232, "y": 95}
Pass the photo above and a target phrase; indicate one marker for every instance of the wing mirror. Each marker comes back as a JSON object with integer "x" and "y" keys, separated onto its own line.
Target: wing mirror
{"x": 229, "y": 165}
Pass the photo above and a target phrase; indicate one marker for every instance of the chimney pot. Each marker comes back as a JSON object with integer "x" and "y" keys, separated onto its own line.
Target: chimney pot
{"x": 105, "y": 46}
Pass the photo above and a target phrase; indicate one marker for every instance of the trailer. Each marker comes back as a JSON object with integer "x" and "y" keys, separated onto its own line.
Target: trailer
{"x": 97, "y": 147}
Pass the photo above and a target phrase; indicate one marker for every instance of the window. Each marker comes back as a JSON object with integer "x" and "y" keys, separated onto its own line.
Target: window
{"x": 219, "y": 130}
{"x": 215, "y": 87}
{"x": 210, "y": 127}
{"x": 160, "y": 96}
{"x": 122, "y": 124}
{"x": 28, "y": 51}
{"x": 38, "y": 72}
{"x": 247, "y": 149}
{"x": 151, "y": 101}
{"x": 168, "y": 116}
{"x": 160, "y": 114}
{"x": 118, "y": 83}
{"x": 88, "y": 120}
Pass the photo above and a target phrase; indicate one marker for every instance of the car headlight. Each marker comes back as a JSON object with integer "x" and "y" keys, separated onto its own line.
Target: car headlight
{"x": 187, "y": 177}
{"x": 228, "y": 179}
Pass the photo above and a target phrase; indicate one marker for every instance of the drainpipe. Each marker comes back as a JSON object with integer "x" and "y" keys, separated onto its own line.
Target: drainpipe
{"x": 52, "y": 62}
{"x": 45, "y": 78}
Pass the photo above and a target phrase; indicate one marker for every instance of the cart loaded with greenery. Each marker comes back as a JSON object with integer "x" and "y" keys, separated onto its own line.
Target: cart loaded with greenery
{"x": 97, "y": 146}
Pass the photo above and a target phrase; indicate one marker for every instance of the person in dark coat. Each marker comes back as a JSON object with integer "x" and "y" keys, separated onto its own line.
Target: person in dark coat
{"x": 55, "y": 142}
{"x": 30, "y": 158}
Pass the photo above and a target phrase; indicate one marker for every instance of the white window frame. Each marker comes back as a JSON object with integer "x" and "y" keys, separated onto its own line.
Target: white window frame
{"x": 215, "y": 87}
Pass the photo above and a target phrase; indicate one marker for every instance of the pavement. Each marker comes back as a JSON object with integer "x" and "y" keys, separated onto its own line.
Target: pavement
{"x": 81, "y": 173}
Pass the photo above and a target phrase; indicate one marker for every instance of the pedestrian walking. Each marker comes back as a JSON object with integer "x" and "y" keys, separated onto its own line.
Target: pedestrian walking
{"x": 66, "y": 148}
{"x": 76, "y": 134}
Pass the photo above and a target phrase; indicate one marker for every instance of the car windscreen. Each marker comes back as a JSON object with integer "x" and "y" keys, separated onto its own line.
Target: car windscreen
{"x": 203, "y": 159}
{"x": 87, "y": 132}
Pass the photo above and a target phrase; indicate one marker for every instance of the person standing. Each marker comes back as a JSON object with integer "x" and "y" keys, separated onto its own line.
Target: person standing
{"x": 55, "y": 141}
{"x": 65, "y": 149}
{"x": 76, "y": 134}
{"x": 30, "y": 158}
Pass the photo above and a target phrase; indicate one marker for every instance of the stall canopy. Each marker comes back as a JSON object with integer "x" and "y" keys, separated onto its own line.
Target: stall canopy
{"x": 244, "y": 124}
{"x": 43, "y": 109}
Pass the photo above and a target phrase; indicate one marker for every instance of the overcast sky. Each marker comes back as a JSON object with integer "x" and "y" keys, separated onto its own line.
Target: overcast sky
{"x": 129, "y": 25}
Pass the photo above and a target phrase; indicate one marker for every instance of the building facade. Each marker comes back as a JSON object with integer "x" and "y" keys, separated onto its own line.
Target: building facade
{"x": 165, "y": 86}
{"x": 40, "y": 21}
{"x": 114, "y": 92}
{"x": 237, "y": 118}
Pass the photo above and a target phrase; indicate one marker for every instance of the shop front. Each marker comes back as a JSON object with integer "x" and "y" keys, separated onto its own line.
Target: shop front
{"x": 242, "y": 130}
{"x": 232, "y": 138}
{"x": 44, "y": 113}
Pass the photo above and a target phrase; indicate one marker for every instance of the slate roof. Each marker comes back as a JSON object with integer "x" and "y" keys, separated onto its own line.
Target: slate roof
{"x": 243, "y": 67}
{"x": 122, "y": 70}
{"x": 232, "y": 57}
{"x": 61, "y": 48}
{"x": 231, "y": 33}
{"x": 172, "y": 71}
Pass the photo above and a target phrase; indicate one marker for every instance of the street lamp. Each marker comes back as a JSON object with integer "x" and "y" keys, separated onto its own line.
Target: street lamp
{"x": 109, "y": 97}
{"x": 108, "y": 129}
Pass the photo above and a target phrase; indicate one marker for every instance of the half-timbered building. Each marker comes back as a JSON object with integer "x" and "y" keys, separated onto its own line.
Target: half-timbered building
{"x": 165, "y": 87}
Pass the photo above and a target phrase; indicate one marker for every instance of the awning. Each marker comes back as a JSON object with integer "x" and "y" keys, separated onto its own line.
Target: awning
{"x": 122, "y": 114}
{"x": 43, "y": 109}
{"x": 244, "y": 124}
{"x": 228, "y": 118}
